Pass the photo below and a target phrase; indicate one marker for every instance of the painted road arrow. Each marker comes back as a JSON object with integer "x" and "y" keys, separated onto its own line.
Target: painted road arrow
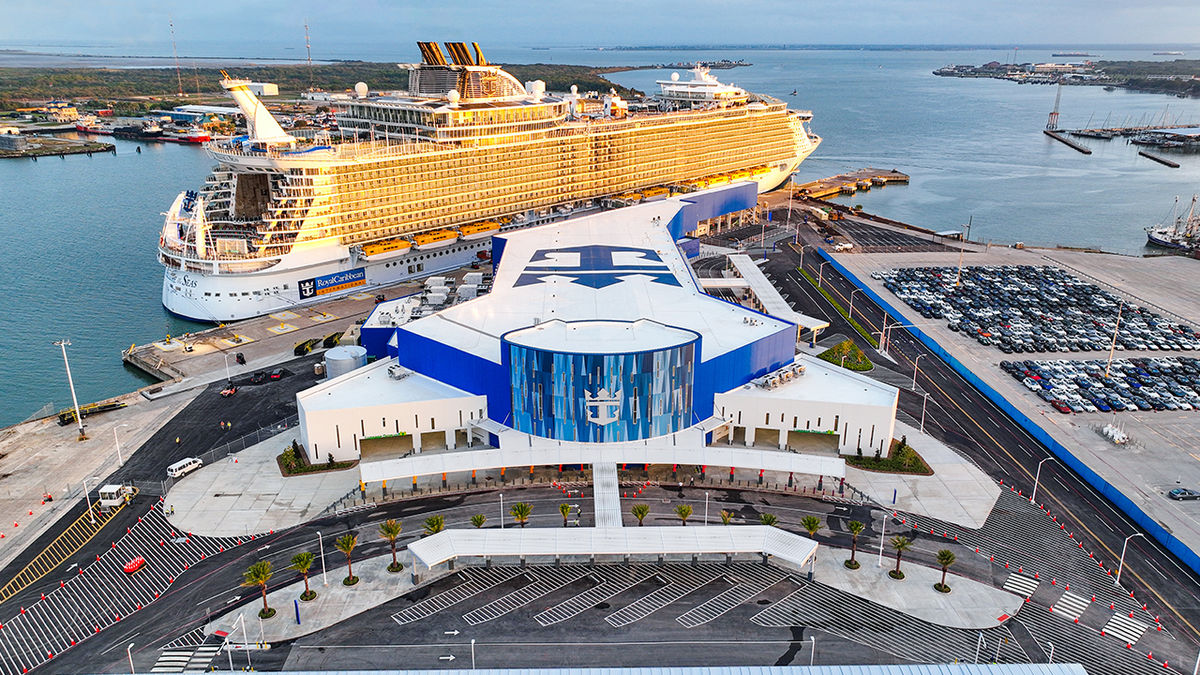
{"x": 446, "y": 658}
{"x": 452, "y": 632}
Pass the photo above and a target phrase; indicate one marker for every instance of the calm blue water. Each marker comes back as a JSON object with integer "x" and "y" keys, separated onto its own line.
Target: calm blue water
{"x": 79, "y": 234}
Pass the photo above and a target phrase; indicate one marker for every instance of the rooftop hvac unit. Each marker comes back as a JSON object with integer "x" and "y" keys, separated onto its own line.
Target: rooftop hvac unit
{"x": 398, "y": 372}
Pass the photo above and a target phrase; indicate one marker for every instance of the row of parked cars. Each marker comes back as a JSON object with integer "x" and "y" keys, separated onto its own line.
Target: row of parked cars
{"x": 1023, "y": 308}
{"x": 1164, "y": 383}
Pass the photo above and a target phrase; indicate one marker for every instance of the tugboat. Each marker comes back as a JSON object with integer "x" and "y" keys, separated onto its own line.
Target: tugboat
{"x": 145, "y": 131}
{"x": 1181, "y": 233}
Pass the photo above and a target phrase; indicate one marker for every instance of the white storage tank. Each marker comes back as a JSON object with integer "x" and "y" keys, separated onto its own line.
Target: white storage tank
{"x": 343, "y": 359}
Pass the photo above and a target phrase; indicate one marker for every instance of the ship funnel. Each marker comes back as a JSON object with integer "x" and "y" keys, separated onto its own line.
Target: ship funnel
{"x": 259, "y": 122}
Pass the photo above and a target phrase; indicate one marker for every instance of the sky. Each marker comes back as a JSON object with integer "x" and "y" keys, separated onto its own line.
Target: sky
{"x": 337, "y": 27}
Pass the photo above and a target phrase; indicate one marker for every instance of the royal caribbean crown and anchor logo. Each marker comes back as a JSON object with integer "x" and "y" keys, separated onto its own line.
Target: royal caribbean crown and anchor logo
{"x": 596, "y": 266}
{"x": 603, "y": 407}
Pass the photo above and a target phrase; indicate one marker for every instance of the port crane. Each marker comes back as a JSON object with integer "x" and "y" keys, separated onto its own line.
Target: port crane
{"x": 1052, "y": 123}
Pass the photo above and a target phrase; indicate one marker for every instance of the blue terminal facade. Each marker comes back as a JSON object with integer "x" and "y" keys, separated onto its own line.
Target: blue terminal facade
{"x": 596, "y": 329}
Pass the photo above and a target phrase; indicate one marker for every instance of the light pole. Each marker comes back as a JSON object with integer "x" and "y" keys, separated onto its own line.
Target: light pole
{"x": 821, "y": 272}
{"x": 1121, "y": 564}
{"x": 1050, "y": 659}
{"x": 924, "y": 402}
{"x": 802, "y": 247}
{"x": 1037, "y": 477}
{"x": 706, "y": 509}
{"x": 129, "y": 654}
{"x": 916, "y": 368}
{"x": 245, "y": 641}
{"x": 850, "y": 314}
{"x": 882, "y": 534}
{"x": 980, "y": 642}
{"x": 502, "y": 510}
{"x": 1113, "y": 347}
{"x": 88, "y": 497}
{"x": 64, "y": 343}
{"x": 118, "y": 443}
{"x": 321, "y": 543}
{"x": 228, "y": 377}
{"x": 843, "y": 363}
{"x": 812, "y": 654}
{"x": 472, "y": 653}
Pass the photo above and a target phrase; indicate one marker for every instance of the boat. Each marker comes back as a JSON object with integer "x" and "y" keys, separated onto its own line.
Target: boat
{"x": 1071, "y": 54}
{"x": 794, "y": 92}
{"x": 478, "y": 230}
{"x": 92, "y": 125}
{"x": 141, "y": 131}
{"x": 1109, "y": 87}
{"x": 1168, "y": 53}
{"x": 192, "y": 134}
{"x": 1180, "y": 232}
{"x": 387, "y": 246}
{"x": 285, "y": 217}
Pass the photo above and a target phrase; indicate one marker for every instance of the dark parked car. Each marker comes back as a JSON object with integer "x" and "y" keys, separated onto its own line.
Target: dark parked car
{"x": 277, "y": 373}
{"x": 1183, "y": 493}
{"x": 258, "y": 378}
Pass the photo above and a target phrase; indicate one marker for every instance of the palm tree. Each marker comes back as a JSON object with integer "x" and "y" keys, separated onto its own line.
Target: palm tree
{"x": 520, "y": 512}
{"x": 640, "y": 511}
{"x": 726, "y": 517}
{"x": 434, "y": 524}
{"x": 565, "y": 510}
{"x": 478, "y": 520}
{"x": 684, "y": 511}
{"x": 901, "y": 544}
{"x": 768, "y": 519}
{"x": 302, "y": 562}
{"x": 812, "y": 524}
{"x": 389, "y": 531}
{"x": 259, "y": 574}
{"x": 346, "y": 545}
{"x": 855, "y": 528}
{"x": 945, "y": 558}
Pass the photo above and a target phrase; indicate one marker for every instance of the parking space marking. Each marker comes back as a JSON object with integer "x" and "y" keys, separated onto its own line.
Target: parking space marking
{"x": 1127, "y": 629}
{"x": 614, "y": 580}
{"x": 749, "y": 581}
{"x": 681, "y": 581}
{"x": 546, "y": 580}
{"x": 476, "y": 581}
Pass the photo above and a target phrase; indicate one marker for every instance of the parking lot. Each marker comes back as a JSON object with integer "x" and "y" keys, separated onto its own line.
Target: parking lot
{"x": 1028, "y": 309}
{"x": 1161, "y": 383}
{"x": 875, "y": 239}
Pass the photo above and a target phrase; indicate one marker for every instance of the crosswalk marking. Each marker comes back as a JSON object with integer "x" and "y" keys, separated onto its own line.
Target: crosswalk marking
{"x": 1127, "y": 629}
{"x": 1070, "y": 606}
{"x": 1021, "y": 585}
{"x": 172, "y": 661}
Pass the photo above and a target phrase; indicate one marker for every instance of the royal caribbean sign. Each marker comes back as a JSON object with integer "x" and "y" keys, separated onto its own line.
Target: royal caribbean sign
{"x": 332, "y": 283}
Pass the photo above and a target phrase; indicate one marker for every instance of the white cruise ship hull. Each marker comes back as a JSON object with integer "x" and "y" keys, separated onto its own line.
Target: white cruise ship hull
{"x": 221, "y": 298}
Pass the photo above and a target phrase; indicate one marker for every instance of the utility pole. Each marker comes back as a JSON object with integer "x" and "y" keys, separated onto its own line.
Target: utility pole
{"x": 962, "y": 249}
{"x": 308, "y": 48}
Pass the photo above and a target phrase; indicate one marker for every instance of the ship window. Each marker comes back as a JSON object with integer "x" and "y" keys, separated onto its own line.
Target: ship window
{"x": 206, "y": 294}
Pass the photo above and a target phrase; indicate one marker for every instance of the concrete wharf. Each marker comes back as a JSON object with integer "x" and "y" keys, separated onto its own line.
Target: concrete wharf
{"x": 1099, "y": 132}
{"x": 848, "y": 183}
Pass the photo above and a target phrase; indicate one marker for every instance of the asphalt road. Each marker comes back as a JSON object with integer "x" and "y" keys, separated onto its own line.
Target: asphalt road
{"x": 964, "y": 418}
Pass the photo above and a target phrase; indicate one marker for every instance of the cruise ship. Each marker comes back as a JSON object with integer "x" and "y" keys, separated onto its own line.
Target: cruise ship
{"x": 416, "y": 182}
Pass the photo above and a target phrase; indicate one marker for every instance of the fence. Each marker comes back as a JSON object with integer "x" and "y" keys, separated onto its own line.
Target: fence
{"x": 1151, "y": 526}
{"x": 159, "y": 488}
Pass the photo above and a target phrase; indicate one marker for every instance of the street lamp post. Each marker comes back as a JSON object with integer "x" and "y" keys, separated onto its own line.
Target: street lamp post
{"x": 502, "y": 510}
{"x": 117, "y": 441}
{"x": 1050, "y": 659}
{"x": 882, "y": 535}
{"x": 812, "y": 654}
{"x": 916, "y": 368}
{"x": 706, "y": 509}
{"x": 129, "y": 654}
{"x": 245, "y": 641}
{"x": 843, "y": 363}
{"x": 924, "y": 402}
{"x": 1036, "y": 478}
{"x": 1113, "y": 346}
{"x": 1121, "y": 564}
{"x": 63, "y": 344}
{"x": 228, "y": 377}
{"x": 321, "y": 543}
{"x": 850, "y": 314}
{"x": 821, "y": 272}
{"x": 88, "y": 497}
{"x": 472, "y": 653}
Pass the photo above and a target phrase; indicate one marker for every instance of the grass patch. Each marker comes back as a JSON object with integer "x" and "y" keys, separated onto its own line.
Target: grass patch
{"x": 855, "y": 359}
{"x": 841, "y": 310}
{"x": 941, "y": 588}
{"x": 852, "y": 564}
{"x": 896, "y": 574}
{"x": 294, "y": 462}
{"x": 266, "y": 613}
{"x": 349, "y": 581}
{"x": 308, "y": 595}
{"x": 901, "y": 458}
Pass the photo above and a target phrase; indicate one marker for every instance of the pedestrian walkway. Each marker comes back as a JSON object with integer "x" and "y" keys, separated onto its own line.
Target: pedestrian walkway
{"x": 1075, "y": 643}
{"x": 246, "y": 493}
{"x": 64, "y": 546}
{"x": 1022, "y": 585}
{"x": 1125, "y": 629}
{"x": 1069, "y": 606}
{"x": 102, "y": 593}
{"x": 958, "y": 491}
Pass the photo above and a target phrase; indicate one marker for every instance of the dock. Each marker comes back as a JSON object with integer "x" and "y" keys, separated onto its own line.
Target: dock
{"x": 1161, "y": 160}
{"x": 1067, "y": 142}
{"x": 848, "y": 183}
{"x": 43, "y": 146}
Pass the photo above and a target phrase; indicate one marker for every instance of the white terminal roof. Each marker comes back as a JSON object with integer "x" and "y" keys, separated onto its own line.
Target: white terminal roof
{"x": 371, "y": 385}
{"x": 581, "y": 541}
{"x": 537, "y": 282}
{"x": 825, "y": 382}
{"x": 772, "y": 302}
{"x": 600, "y": 336}
{"x": 393, "y": 312}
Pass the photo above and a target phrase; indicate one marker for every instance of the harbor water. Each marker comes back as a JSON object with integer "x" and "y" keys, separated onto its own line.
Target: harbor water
{"x": 80, "y": 233}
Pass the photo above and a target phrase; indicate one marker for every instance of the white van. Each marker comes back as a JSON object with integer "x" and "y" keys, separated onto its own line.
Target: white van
{"x": 183, "y": 467}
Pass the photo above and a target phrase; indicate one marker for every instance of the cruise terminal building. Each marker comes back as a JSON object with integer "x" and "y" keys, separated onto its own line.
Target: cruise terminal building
{"x": 596, "y": 346}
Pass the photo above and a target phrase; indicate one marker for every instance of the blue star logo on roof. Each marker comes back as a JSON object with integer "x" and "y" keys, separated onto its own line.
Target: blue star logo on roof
{"x": 596, "y": 266}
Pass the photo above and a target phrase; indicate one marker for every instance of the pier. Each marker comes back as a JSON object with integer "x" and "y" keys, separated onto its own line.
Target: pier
{"x": 1111, "y": 132}
{"x": 848, "y": 183}
{"x": 1161, "y": 160}
{"x": 1067, "y": 142}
